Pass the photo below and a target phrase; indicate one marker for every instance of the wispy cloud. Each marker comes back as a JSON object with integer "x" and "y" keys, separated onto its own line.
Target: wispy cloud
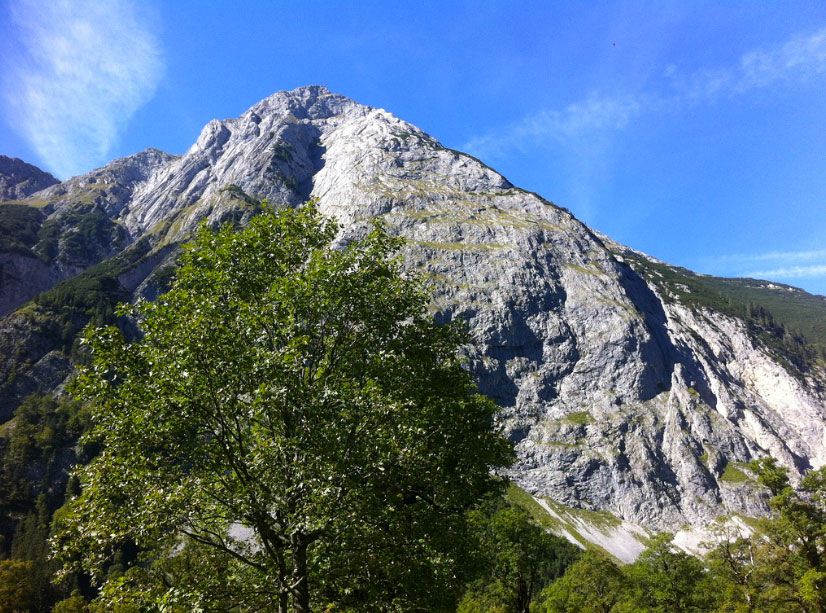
{"x": 799, "y": 59}
{"x": 591, "y": 114}
{"x": 791, "y": 272}
{"x": 805, "y": 264}
{"x": 76, "y": 73}
{"x": 773, "y": 256}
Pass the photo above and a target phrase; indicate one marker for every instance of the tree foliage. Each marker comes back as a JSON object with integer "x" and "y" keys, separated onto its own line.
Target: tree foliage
{"x": 593, "y": 584}
{"x": 783, "y": 568}
{"x": 293, "y": 418}
{"x": 37, "y": 449}
{"x": 17, "y": 590}
{"x": 668, "y": 580}
{"x": 516, "y": 557}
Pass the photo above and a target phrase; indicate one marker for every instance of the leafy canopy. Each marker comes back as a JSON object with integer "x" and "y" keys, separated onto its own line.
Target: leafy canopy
{"x": 517, "y": 558}
{"x": 292, "y": 417}
{"x": 783, "y": 567}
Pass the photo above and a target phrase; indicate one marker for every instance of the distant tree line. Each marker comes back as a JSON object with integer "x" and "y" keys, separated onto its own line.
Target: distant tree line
{"x": 788, "y": 345}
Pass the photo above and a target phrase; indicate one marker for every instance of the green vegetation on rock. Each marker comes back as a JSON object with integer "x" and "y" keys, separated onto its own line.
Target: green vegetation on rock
{"x": 788, "y": 321}
{"x": 577, "y": 418}
{"x": 733, "y": 473}
{"x": 80, "y": 235}
{"x": 83, "y": 235}
{"x": 50, "y": 324}
{"x": 19, "y": 226}
{"x": 440, "y": 246}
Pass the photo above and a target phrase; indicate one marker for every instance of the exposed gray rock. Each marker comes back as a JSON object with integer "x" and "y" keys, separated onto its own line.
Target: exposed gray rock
{"x": 19, "y": 179}
{"x": 22, "y": 277}
{"x": 111, "y": 186}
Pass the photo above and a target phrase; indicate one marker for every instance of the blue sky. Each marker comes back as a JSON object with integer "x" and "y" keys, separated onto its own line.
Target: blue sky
{"x": 692, "y": 131}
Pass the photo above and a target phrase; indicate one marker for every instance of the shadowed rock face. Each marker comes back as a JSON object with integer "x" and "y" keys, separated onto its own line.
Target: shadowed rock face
{"x": 19, "y": 179}
{"x": 618, "y": 395}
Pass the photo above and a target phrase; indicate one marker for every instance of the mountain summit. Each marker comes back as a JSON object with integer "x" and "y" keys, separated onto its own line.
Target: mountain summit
{"x": 628, "y": 385}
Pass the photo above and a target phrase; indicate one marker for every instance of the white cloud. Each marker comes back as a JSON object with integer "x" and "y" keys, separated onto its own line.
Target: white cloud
{"x": 594, "y": 113}
{"x": 801, "y": 57}
{"x": 78, "y": 72}
{"x": 798, "y": 59}
{"x": 809, "y": 263}
{"x": 789, "y": 272}
{"x": 773, "y": 256}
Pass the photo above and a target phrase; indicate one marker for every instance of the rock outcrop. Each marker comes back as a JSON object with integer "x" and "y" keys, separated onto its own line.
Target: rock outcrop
{"x": 19, "y": 179}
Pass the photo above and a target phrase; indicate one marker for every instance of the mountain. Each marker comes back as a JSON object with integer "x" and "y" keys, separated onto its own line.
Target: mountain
{"x": 57, "y": 232}
{"x": 629, "y": 386}
{"x": 19, "y": 179}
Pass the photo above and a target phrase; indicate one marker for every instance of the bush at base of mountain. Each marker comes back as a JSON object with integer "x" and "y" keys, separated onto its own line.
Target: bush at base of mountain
{"x": 780, "y": 569}
{"x": 592, "y": 583}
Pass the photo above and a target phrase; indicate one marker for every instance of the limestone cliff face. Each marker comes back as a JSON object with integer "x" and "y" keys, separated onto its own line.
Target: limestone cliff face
{"x": 618, "y": 396}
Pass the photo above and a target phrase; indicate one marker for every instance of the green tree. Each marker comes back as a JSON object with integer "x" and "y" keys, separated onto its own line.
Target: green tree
{"x": 292, "y": 409}
{"x": 518, "y": 559}
{"x": 786, "y": 565}
{"x": 593, "y": 584}
{"x": 73, "y": 604}
{"x": 17, "y": 590}
{"x": 780, "y": 568}
{"x": 666, "y": 580}
{"x": 736, "y": 576}
{"x": 37, "y": 447}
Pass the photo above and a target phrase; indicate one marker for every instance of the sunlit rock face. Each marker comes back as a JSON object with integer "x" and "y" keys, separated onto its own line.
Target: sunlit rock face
{"x": 618, "y": 395}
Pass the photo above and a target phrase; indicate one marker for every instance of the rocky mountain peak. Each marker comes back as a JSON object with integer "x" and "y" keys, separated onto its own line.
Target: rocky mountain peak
{"x": 19, "y": 179}
{"x": 294, "y": 145}
{"x": 626, "y": 385}
{"x": 110, "y": 186}
{"x": 127, "y": 170}
{"x": 312, "y": 102}
{"x": 274, "y": 150}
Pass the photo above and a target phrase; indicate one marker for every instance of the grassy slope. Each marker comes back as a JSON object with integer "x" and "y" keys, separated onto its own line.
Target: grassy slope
{"x": 788, "y": 320}
{"x": 569, "y": 520}
{"x": 798, "y": 310}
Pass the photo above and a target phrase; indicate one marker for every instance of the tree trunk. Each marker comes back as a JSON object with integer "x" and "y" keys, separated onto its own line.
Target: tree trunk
{"x": 301, "y": 588}
{"x": 523, "y": 601}
{"x": 276, "y": 552}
